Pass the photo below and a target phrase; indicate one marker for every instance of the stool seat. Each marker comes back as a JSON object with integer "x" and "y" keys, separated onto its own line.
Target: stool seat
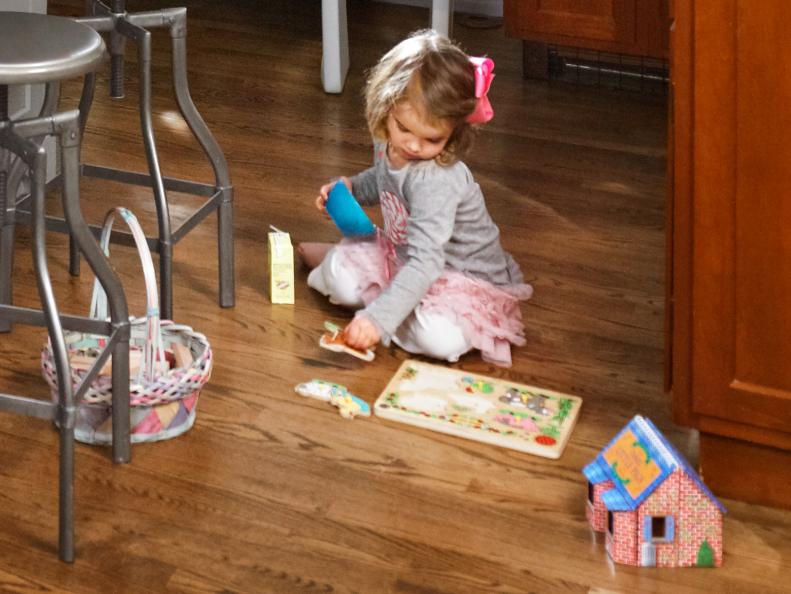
{"x": 71, "y": 48}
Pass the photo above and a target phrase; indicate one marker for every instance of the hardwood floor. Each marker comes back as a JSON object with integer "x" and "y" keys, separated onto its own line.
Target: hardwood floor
{"x": 271, "y": 492}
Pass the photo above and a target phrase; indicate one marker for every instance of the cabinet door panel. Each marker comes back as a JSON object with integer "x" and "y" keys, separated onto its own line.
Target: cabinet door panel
{"x": 741, "y": 301}
{"x": 602, "y": 20}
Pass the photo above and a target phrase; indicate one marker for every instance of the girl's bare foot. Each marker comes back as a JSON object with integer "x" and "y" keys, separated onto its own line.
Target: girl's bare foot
{"x": 312, "y": 252}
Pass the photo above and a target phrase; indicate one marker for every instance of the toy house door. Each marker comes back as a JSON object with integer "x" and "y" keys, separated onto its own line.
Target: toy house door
{"x": 648, "y": 554}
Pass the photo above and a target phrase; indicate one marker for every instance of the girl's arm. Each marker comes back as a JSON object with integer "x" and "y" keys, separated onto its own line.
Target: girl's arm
{"x": 364, "y": 187}
{"x": 433, "y": 198}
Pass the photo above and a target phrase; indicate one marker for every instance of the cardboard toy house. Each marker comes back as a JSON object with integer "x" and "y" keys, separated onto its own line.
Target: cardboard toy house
{"x": 650, "y": 503}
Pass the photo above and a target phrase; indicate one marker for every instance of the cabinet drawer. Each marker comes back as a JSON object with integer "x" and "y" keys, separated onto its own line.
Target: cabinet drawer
{"x": 637, "y": 27}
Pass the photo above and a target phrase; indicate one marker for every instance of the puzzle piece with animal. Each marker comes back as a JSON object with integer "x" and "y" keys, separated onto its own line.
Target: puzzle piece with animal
{"x": 332, "y": 340}
{"x": 349, "y": 405}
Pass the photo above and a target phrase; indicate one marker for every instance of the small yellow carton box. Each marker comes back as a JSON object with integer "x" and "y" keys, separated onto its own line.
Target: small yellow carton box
{"x": 281, "y": 268}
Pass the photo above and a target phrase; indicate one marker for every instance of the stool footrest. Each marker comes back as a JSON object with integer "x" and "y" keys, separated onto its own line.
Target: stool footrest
{"x": 196, "y": 217}
{"x": 143, "y": 179}
{"x": 29, "y": 407}
{"x": 58, "y": 224}
{"x": 34, "y": 317}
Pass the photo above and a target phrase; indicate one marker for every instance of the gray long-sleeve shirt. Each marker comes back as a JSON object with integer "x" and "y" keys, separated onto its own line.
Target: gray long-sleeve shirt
{"x": 436, "y": 217}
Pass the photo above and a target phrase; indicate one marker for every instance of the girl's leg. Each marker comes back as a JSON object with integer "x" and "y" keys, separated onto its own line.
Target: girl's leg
{"x": 335, "y": 281}
{"x": 313, "y": 253}
{"x": 433, "y": 335}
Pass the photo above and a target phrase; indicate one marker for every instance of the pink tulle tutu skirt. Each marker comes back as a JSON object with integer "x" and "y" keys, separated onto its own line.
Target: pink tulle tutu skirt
{"x": 488, "y": 314}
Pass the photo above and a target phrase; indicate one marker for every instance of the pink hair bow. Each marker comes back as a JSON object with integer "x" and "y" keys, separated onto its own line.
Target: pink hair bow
{"x": 483, "y": 80}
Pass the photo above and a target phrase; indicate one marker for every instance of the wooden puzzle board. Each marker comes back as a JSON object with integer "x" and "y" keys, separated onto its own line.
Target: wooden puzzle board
{"x": 487, "y": 409}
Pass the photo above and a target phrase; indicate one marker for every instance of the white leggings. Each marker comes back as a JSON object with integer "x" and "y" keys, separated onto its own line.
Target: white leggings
{"x": 422, "y": 333}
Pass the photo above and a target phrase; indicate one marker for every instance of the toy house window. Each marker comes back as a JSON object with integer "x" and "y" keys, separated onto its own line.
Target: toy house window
{"x": 590, "y": 492}
{"x": 610, "y": 522}
{"x": 658, "y": 528}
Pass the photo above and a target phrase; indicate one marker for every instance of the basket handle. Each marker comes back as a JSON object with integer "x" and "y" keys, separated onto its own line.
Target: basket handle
{"x": 153, "y": 350}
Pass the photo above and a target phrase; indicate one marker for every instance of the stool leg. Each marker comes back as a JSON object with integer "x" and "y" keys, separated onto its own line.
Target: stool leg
{"x": 37, "y": 160}
{"x": 165, "y": 247}
{"x": 6, "y": 247}
{"x": 74, "y": 257}
{"x": 119, "y": 313}
{"x": 11, "y": 177}
{"x": 6, "y": 224}
{"x": 86, "y": 100}
{"x": 117, "y": 48}
{"x": 225, "y": 249}
{"x": 66, "y": 489}
{"x": 220, "y": 166}
{"x": 8, "y": 217}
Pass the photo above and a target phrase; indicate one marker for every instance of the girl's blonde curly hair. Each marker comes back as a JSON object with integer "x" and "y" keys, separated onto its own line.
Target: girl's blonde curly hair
{"x": 437, "y": 77}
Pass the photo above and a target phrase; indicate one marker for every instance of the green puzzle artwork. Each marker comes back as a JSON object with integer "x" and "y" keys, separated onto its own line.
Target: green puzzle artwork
{"x": 481, "y": 408}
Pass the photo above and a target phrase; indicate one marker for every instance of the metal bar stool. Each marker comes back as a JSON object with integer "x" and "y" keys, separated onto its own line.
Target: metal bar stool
{"x": 37, "y": 48}
{"x": 122, "y": 25}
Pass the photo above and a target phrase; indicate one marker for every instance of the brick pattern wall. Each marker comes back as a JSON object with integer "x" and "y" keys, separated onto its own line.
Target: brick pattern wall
{"x": 622, "y": 544}
{"x": 662, "y": 502}
{"x": 696, "y": 518}
{"x": 597, "y": 513}
{"x": 699, "y": 519}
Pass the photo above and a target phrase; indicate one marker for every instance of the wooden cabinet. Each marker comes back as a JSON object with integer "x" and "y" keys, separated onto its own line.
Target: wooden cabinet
{"x": 634, "y": 27}
{"x": 729, "y": 240}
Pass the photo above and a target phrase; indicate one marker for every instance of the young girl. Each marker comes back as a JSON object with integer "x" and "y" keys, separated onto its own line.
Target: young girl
{"x": 435, "y": 280}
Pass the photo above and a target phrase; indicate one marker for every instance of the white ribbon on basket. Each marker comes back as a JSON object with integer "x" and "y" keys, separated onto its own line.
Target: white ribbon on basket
{"x": 153, "y": 350}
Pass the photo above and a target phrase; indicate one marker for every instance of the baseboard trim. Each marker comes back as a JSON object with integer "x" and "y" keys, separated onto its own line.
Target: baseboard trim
{"x": 745, "y": 471}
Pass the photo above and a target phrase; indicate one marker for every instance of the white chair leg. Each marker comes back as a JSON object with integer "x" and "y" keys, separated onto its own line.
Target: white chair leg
{"x": 335, "y": 45}
{"x": 442, "y": 16}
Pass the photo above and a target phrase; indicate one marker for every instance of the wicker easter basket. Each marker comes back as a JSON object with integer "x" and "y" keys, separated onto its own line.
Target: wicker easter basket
{"x": 163, "y": 395}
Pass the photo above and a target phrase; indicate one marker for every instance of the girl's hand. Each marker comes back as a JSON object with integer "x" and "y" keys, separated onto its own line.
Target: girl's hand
{"x": 361, "y": 333}
{"x": 324, "y": 193}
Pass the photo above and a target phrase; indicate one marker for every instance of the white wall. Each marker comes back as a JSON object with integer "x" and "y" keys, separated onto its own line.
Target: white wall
{"x": 24, "y": 5}
{"x": 492, "y": 8}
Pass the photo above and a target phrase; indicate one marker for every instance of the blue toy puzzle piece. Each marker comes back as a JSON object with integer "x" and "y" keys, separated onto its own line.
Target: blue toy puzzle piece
{"x": 347, "y": 214}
